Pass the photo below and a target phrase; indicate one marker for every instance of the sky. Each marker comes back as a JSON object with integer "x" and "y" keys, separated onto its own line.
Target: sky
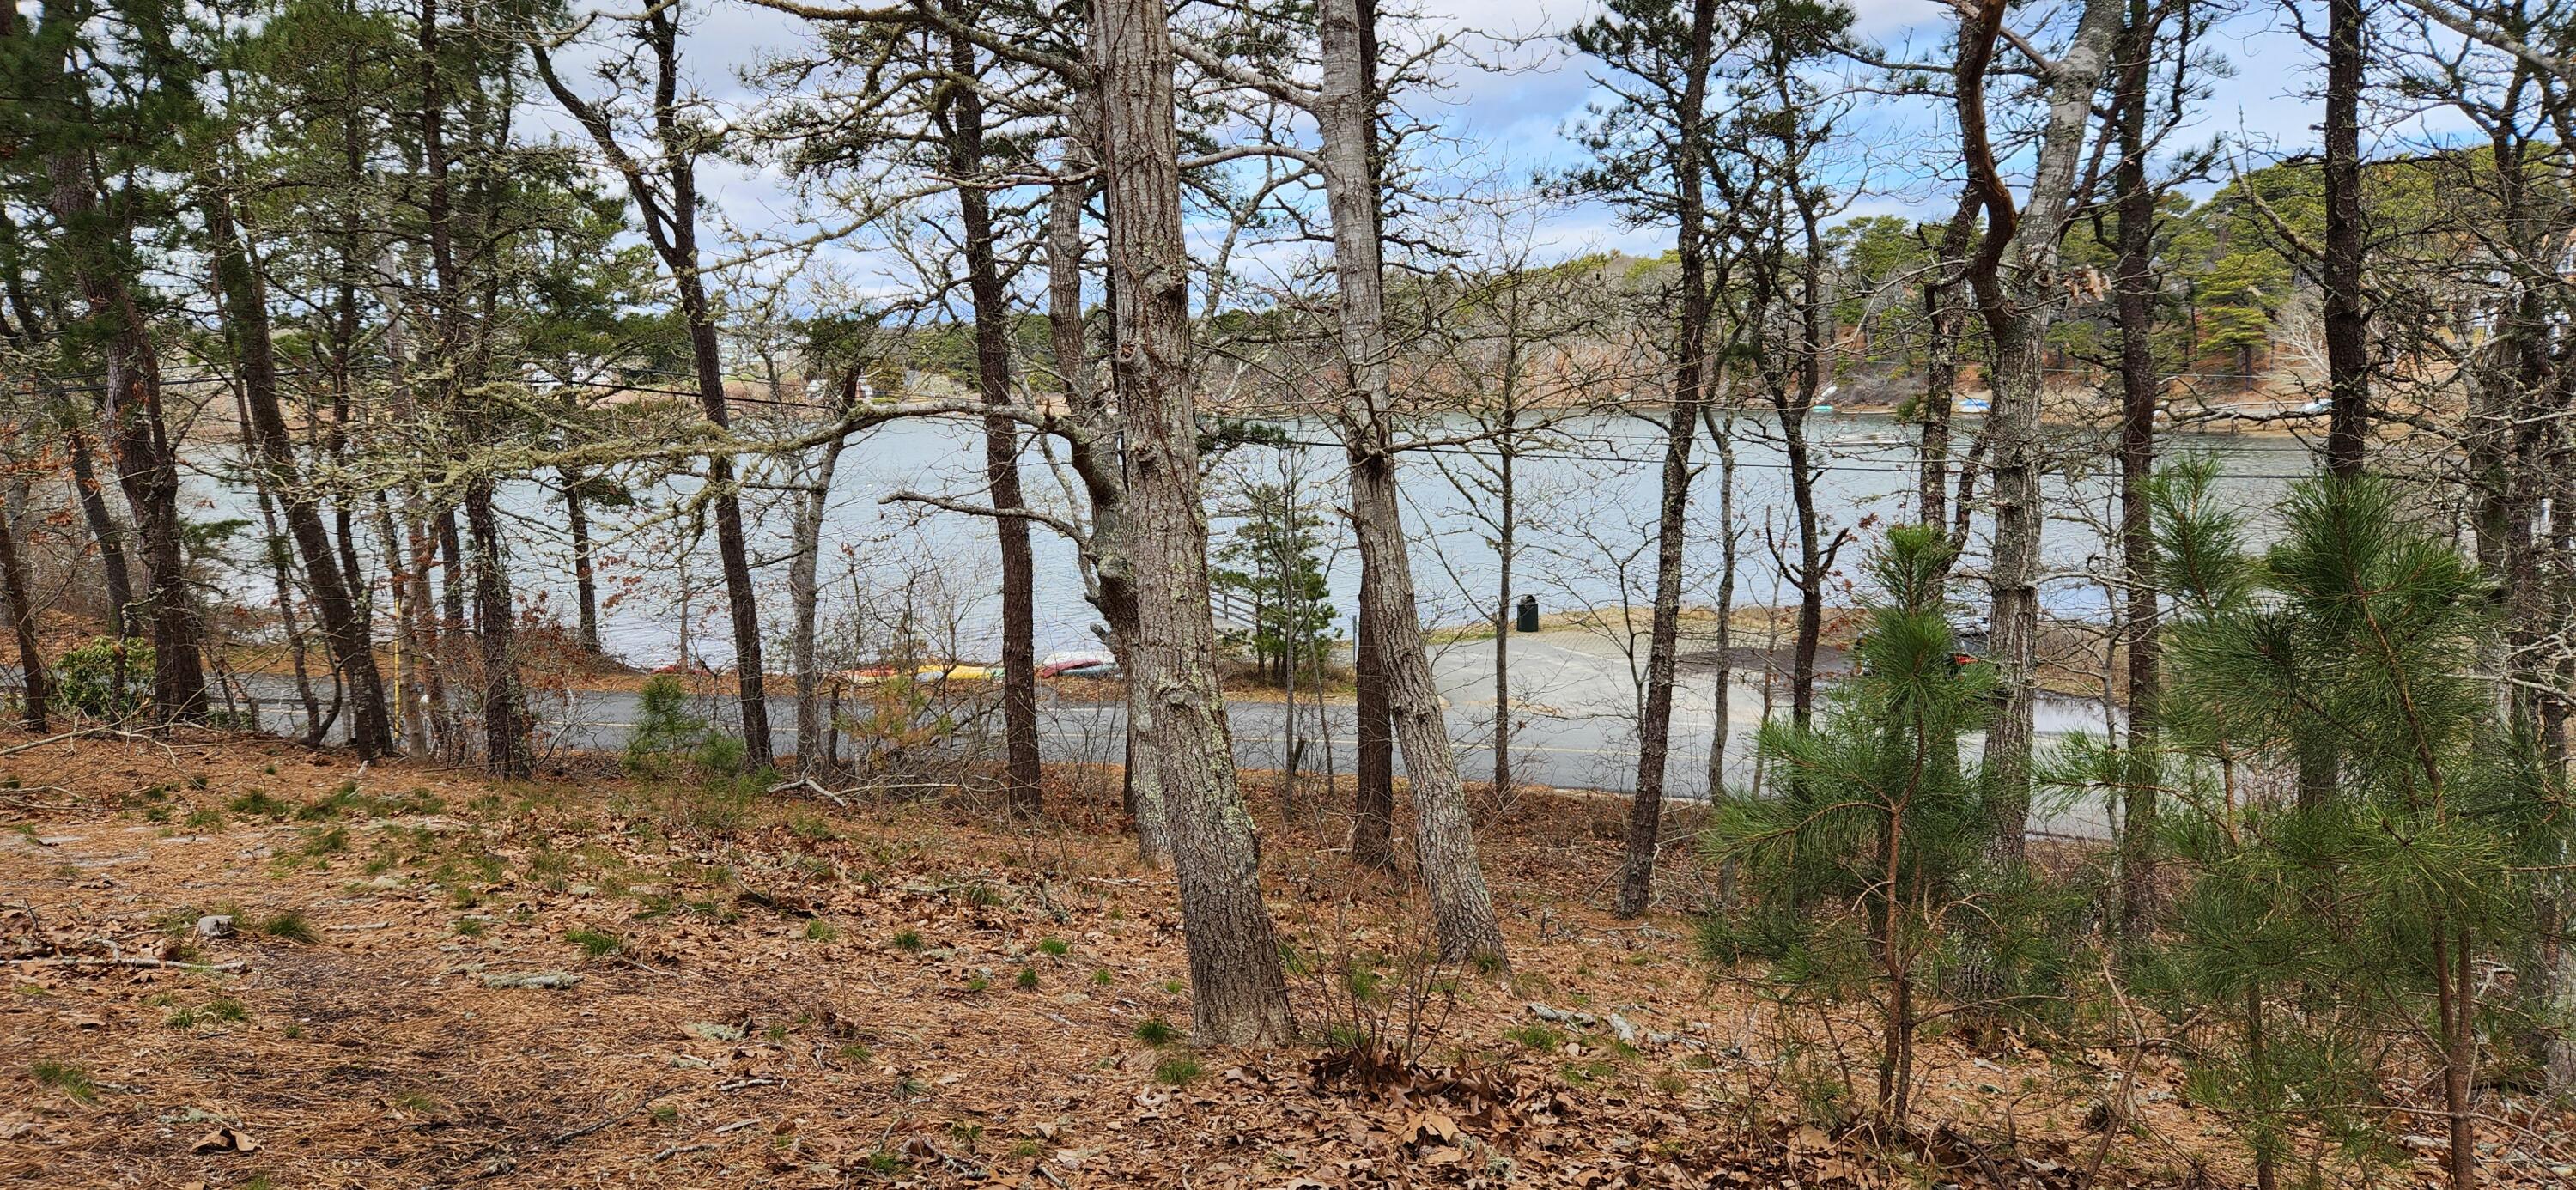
{"x": 1512, "y": 123}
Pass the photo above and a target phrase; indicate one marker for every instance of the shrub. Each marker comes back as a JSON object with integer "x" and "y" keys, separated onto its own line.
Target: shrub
{"x": 107, "y": 678}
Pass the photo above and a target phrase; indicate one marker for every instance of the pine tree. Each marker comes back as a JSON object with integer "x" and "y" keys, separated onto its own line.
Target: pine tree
{"x": 2379, "y": 910}
{"x": 1861, "y": 871}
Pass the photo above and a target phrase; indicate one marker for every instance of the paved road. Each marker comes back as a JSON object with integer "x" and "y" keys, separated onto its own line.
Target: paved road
{"x": 1572, "y": 722}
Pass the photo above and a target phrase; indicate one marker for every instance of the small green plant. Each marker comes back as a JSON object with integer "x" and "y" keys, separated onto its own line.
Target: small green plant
{"x": 259, "y": 803}
{"x": 1028, "y": 978}
{"x": 1103, "y": 978}
{"x": 1174, "y": 987}
{"x": 594, "y": 943}
{"x": 73, "y": 1081}
{"x": 1054, "y": 948}
{"x": 287, "y": 925}
{"x": 472, "y": 927}
{"x": 908, "y": 940}
{"x": 982, "y": 895}
{"x": 819, "y": 930}
{"x": 1535, "y": 1037}
{"x": 1154, "y": 1030}
{"x": 977, "y": 982}
{"x": 227, "y": 1009}
{"x": 664, "y": 1114}
{"x": 1176, "y": 1069}
{"x": 855, "y": 1052}
{"x": 180, "y": 1018}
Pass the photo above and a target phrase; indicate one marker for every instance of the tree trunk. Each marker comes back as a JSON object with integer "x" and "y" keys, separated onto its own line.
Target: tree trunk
{"x": 2346, "y": 319}
{"x": 1506, "y": 529}
{"x": 1444, "y": 841}
{"x": 1942, "y": 317}
{"x": 1725, "y": 650}
{"x": 147, "y": 461}
{"x": 1020, "y": 791}
{"x": 585, "y": 578}
{"x": 804, "y": 590}
{"x": 246, "y": 321}
{"x": 22, "y": 624}
{"x": 1238, "y": 991}
{"x": 1655, "y": 718}
{"x": 1100, "y": 464}
{"x": 670, "y": 220}
{"x": 1373, "y": 808}
{"x": 103, "y": 530}
{"x": 505, "y": 727}
{"x": 2133, "y": 301}
{"x": 2018, "y": 311}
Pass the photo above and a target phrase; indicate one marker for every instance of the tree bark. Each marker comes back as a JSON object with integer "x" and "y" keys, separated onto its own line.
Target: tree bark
{"x": 103, "y": 529}
{"x": 670, "y": 220}
{"x": 585, "y": 576}
{"x": 247, "y": 325}
{"x": 1238, "y": 993}
{"x": 2133, "y": 302}
{"x": 147, "y": 461}
{"x": 1373, "y": 808}
{"x": 2346, "y": 318}
{"x": 1444, "y": 841}
{"x": 22, "y": 625}
{"x": 1655, "y": 718}
{"x": 2018, "y": 310}
{"x": 804, "y": 590}
{"x": 1020, "y": 792}
{"x": 1942, "y": 319}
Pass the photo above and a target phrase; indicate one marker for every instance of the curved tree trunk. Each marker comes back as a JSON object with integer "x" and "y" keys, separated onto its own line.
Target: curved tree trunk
{"x": 247, "y": 325}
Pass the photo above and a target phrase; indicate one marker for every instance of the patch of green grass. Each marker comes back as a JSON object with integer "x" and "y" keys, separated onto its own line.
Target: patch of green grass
{"x": 259, "y": 803}
{"x": 180, "y": 1018}
{"x": 1174, "y": 987}
{"x": 664, "y": 1114}
{"x": 1537, "y": 1037}
{"x": 1054, "y": 948}
{"x": 1103, "y": 977}
{"x": 594, "y": 943}
{"x": 1025, "y": 1150}
{"x": 885, "y": 1162}
{"x": 207, "y": 819}
{"x": 1176, "y": 1069}
{"x": 811, "y": 826}
{"x": 1154, "y": 1030}
{"x": 855, "y": 1052}
{"x": 819, "y": 930}
{"x": 1028, "y": 978}
{"x": 908, "y": 940}
{"x": 977, "y": 982}
{"x": 73, "y": 1081}
{"x": 289, "y": 925}
{"x": 227, "y": 1009}
{"x": 982, "y": 895}
{"x": 416, "y": 1101}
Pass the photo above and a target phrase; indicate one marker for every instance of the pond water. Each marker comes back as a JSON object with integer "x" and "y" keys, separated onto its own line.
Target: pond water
{"x": 1586, "y": 500}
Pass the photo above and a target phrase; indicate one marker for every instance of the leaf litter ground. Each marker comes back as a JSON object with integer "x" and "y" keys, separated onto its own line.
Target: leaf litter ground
{"x": 237, "y": 963}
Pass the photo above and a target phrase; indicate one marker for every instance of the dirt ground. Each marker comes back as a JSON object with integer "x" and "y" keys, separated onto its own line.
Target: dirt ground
{"x": 432, "y": 980}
